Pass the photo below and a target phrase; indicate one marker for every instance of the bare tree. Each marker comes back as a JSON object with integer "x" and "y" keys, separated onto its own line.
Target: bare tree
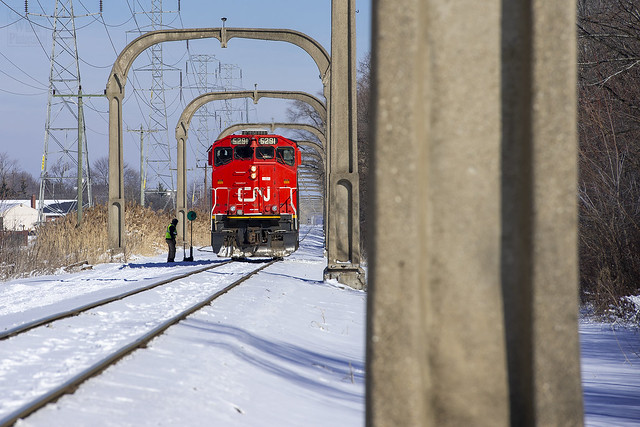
{"x": 301, "y": 112}
{"x": 363, "y": 93}
{"x": 100, "y": 182}
{"x": 14, "y": 182}
{"x": 609, "y": 128}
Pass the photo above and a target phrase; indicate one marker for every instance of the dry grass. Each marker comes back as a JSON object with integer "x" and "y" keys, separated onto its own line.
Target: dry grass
{"x": 62, "y": 243}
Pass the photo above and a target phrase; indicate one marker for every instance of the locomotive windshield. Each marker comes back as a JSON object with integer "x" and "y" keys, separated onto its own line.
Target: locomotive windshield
{"x": 265, "y": 153}
{"x": 222, "y": 156}
{"x": 286, "y": 155}
{"x": 243, "y": 152}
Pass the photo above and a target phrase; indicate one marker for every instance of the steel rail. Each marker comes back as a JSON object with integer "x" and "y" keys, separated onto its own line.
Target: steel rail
{"x": 75, "y": 311}
{"x": 72, "y": 384}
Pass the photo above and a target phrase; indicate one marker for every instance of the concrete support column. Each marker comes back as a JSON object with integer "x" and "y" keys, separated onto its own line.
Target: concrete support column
{"x": 343, "y": 193}
{"x": 115, "y": 95}
{"x": 472, "y": 316}
{"x": 539, "y": 211}
{"x": 181, "y": 199}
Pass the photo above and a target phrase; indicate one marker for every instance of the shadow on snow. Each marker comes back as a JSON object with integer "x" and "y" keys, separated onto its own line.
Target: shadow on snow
{"x": 293, "y": 363}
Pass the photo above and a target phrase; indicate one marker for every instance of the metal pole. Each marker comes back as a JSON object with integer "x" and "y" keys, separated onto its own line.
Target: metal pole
{"x": 142, "y": 180}
{"x": 80, "y": 138}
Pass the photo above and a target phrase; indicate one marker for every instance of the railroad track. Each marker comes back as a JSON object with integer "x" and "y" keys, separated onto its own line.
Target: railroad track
{"x": 109, "y": 319}
{"x": 26, "y": 326}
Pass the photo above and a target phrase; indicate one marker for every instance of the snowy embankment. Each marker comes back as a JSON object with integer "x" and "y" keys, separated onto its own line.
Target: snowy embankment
{"x": 284, "y": 348}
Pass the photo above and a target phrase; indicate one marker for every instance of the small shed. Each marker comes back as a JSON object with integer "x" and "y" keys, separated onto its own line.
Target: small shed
{"x": 18, "y": 216}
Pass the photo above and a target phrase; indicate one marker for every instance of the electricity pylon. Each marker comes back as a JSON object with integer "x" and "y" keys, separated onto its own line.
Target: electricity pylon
{"x": 65, "y": 160}
{"x": 212, "y": 75}
{"x": 159, "y": 166}
{"x": 205, "y": 70}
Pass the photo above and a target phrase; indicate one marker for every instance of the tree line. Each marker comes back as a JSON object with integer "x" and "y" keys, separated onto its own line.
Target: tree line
{"x": 16, "y": 184}
{"x": 609, "y": 152}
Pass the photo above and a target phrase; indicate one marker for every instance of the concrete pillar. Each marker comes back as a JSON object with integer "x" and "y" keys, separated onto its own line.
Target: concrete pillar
{"x": 115, "y": 227}
{"x": 181, "y": 196}
{"x": 539, "y": 211}
{"x": 343, "y": 192}
{"x": 472, "y": 316}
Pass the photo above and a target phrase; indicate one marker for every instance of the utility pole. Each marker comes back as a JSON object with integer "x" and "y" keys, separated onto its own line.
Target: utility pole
{"x": 80, "y": 139}
{"x": 143, "y": 178}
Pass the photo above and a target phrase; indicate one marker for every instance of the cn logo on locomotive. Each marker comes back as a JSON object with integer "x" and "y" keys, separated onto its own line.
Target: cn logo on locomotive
{"x": 254, "y": 193}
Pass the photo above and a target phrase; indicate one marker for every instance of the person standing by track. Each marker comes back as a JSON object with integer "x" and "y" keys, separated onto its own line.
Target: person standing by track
{"x": 170, "y": 237}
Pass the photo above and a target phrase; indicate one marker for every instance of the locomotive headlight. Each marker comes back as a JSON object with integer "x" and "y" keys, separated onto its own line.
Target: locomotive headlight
{"x": 274, "y": 208}
{"x": 254, "y": 175}
{"x": 232, "y": 209}
{"x": 254, "y": 168}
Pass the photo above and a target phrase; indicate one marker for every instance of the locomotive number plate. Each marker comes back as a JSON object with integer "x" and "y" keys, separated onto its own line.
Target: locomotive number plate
{"x": 240, "y": 140}
{"x": 268, "y": 140}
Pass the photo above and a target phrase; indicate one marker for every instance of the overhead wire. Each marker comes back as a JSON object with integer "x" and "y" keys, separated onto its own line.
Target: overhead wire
{"x": 23, "y": 16}
{"x": 12, "y": 23}
{"x": 21, "y": 70}
{"x": 20, "y": 81}
{"x": 35, "y": 33}
{"x": 23, "y": 94}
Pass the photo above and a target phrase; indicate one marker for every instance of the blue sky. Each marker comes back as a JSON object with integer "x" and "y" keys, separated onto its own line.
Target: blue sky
{"x": 25, "y": 46}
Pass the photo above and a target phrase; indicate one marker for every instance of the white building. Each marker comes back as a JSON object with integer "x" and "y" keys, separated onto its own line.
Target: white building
{"x": 17, "y": 216}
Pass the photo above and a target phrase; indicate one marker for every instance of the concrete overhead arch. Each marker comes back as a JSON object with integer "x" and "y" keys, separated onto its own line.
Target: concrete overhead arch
{"x": 273, "y": 126}
{"x": 124, "y": 61}
{"x": 319, "y": 151}
{"x": 115, "y": 95}
{"x": 182, "y": 132}
{"x": 256, "y": 95}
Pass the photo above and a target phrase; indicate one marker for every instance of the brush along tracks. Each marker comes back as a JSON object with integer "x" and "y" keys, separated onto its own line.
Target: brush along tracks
{"x": 39, "y": 366}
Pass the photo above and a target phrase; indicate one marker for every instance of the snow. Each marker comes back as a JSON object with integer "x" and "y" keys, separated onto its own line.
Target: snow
{"x": 610, "y": 374}
{"x": 282, "y": 349}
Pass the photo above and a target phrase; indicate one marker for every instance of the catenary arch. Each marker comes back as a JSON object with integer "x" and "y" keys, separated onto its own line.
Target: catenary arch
{"x": 115, "y": 92}
{"x": 182, "y": 131}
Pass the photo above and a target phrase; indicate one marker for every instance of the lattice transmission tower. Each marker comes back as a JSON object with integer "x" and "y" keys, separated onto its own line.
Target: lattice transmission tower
{"x": 209, "y": 74}
{"x": 234, "y": 111}
{"x": 65, "y": 160}
{"x": 205, "y": 70}
{"x": 159, "y": 169}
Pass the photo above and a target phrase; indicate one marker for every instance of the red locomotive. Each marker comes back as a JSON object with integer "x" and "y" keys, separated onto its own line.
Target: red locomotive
{"x": 254, "y": 196}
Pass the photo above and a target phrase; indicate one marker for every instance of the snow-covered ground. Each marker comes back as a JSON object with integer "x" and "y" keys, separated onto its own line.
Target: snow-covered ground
{"x": 610, "y": 374}
{"x": 282, "y": 349}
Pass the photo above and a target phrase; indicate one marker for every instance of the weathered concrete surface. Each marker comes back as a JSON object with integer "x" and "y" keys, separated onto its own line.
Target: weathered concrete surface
{"x": 342, "y": 215}
{"x": 539, "y": 212}
{"x": 472, "y": 286}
